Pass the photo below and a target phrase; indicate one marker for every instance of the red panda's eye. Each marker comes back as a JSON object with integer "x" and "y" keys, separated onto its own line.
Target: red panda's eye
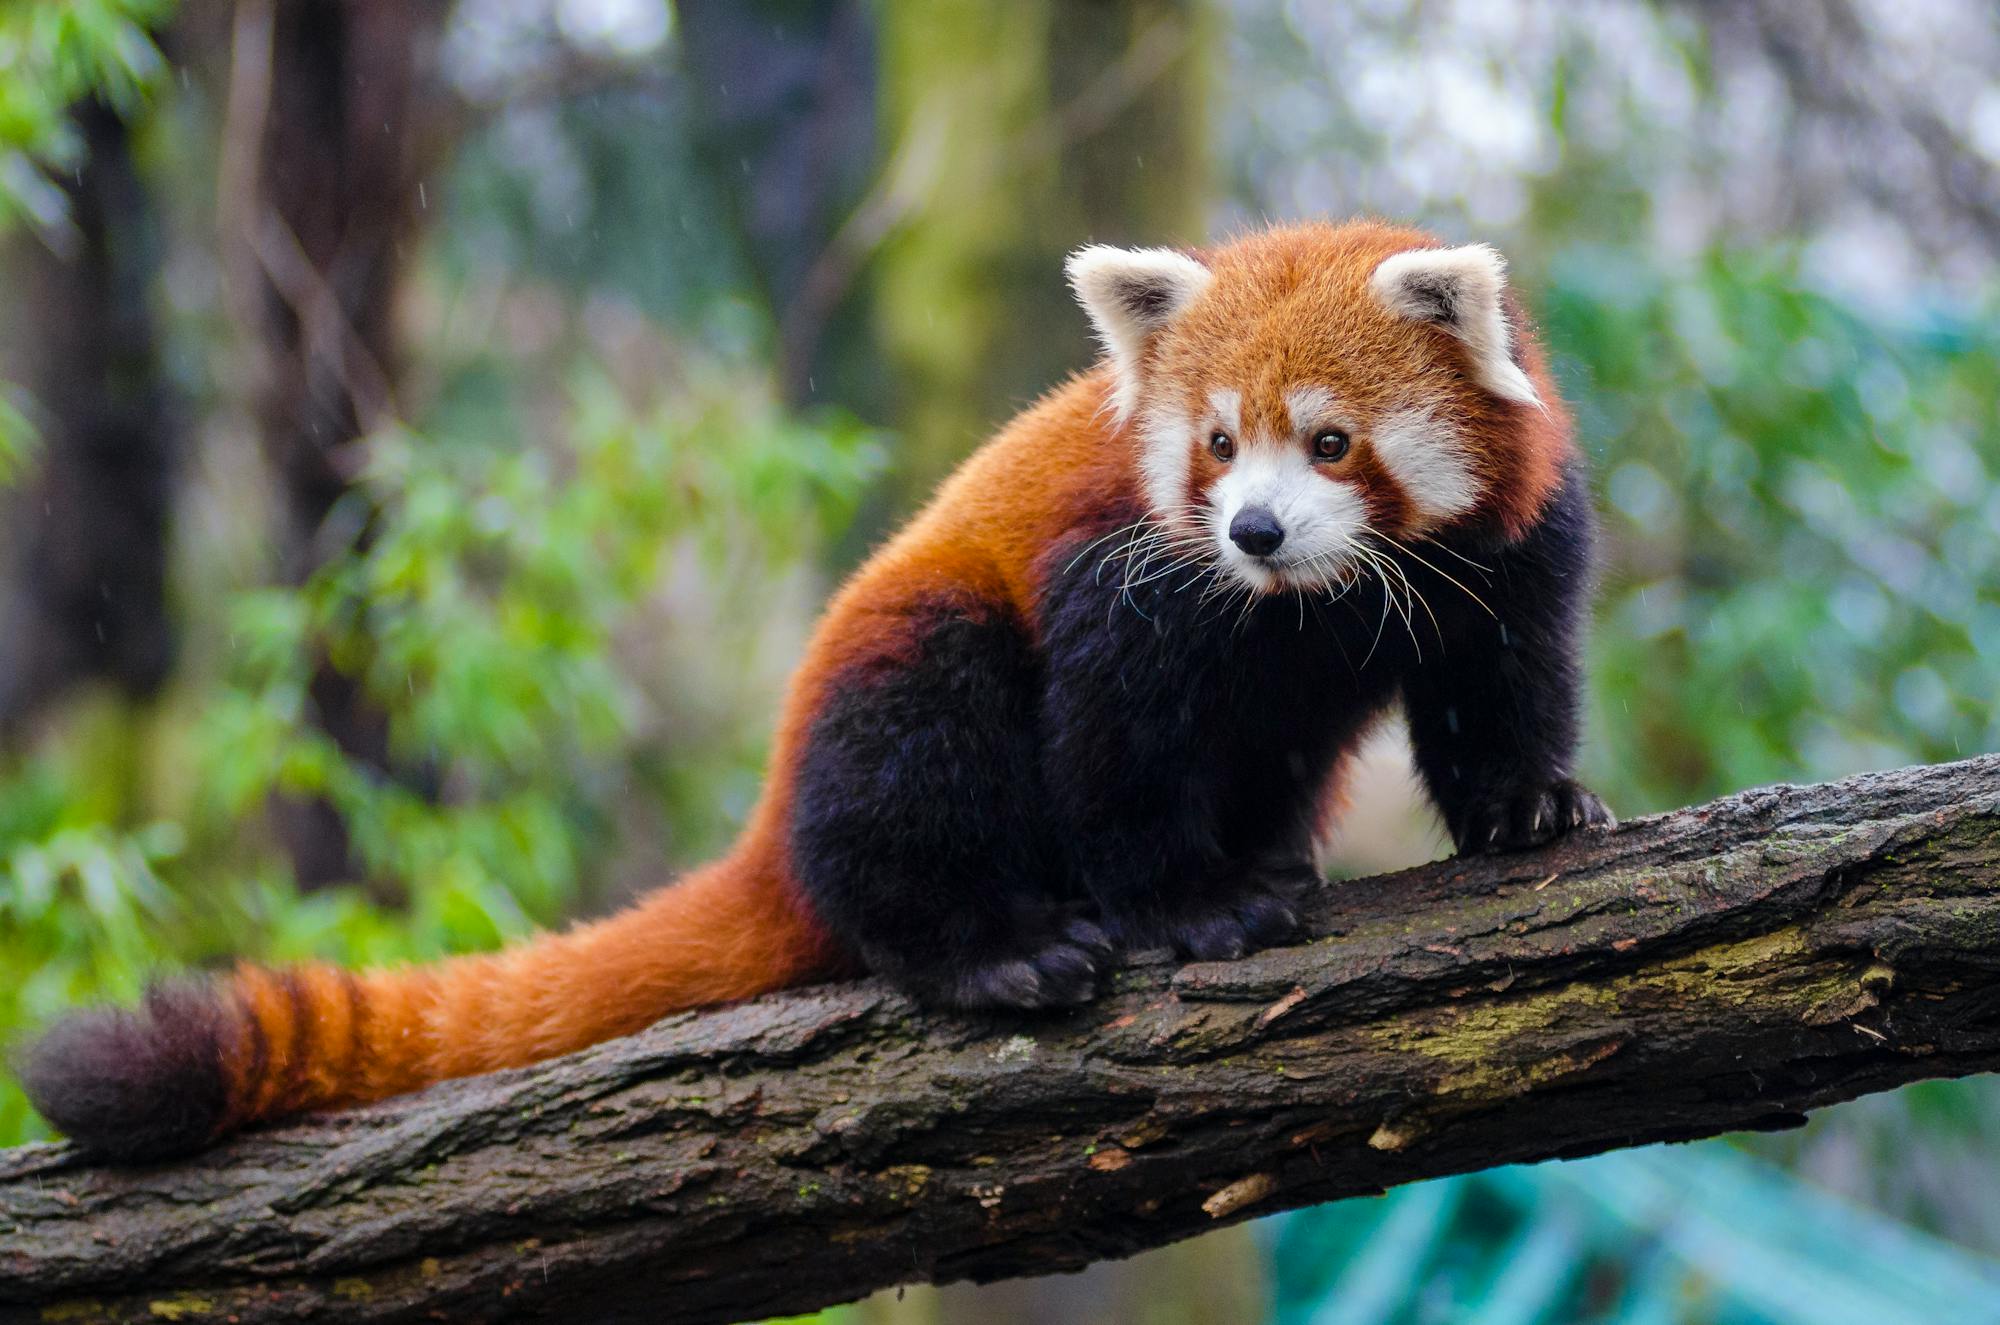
{"x": 1329, "y": 444}
{"x": 1221, "y": 447}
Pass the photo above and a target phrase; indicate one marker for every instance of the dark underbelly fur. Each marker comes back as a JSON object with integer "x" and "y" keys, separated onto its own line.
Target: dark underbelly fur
{"x": 986, "y": 820}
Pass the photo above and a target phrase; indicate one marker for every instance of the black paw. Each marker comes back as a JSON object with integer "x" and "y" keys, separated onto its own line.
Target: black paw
{"x": 1259, "y": 909}
{"x": 1529, "y": 817}
{"x": 1061, "y": 973}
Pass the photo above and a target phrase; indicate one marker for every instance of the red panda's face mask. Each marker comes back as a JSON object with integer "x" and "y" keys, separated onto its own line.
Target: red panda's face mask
{"x": 1306, "y": 399}
{"x": 1291, "y": 484}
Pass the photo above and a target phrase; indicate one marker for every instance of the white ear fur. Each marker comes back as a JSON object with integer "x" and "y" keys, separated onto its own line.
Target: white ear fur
{"x": 1131, "y": 294}
{"x": 1459, "y": 289}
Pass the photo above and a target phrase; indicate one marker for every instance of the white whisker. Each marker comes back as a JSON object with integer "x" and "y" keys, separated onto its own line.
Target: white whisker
{"x": 1435, "y": 571}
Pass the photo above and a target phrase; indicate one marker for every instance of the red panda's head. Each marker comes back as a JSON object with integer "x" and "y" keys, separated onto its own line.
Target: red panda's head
{"x": 1302, "y": 392}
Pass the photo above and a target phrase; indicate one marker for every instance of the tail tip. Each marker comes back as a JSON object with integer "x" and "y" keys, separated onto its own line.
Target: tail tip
{"x": 138, "y": 1083}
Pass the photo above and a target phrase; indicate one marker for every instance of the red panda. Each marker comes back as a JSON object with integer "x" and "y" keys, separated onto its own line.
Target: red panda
{"x": 1095, "y": 696}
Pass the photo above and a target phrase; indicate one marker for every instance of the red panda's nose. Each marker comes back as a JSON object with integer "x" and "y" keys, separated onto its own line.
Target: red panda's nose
{"x": 1256, "y": 531}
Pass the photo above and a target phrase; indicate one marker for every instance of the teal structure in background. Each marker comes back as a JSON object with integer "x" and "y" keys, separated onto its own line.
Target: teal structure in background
{"x": 1659, "y": 1236}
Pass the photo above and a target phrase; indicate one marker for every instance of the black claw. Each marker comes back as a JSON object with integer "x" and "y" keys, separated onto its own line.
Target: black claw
{"x": 1008, "y": 984}
{"x": 1256, "y": 909}
{"x": 1068, "y": 975}
{"x": 1267, "y": 920}
{"x": 1062, "y": 974}
{"x": 1091, "y": 937}
{"x": 1531, "y": 816}
{"x": 1214, "y": 938}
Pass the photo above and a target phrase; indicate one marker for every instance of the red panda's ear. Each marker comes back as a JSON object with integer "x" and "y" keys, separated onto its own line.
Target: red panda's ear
{"x": 1460, "y": 290}
{"x": 1132, "y": 294}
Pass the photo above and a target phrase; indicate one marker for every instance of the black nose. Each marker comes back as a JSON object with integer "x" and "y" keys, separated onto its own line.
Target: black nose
{"x": 1256, "y": 531}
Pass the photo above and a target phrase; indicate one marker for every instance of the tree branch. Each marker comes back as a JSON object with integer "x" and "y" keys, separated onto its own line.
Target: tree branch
{"x": 1718, "y": 968}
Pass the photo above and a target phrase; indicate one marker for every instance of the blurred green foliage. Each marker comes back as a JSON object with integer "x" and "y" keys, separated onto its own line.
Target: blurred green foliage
{"x": 17, "y": 437}
{"x": 494, "y": 601}
{"x": 480, "y": 607}
{"x": 1673, "y": 1236}
{"x": 1805, "y": 578}
{"x": 52, "y": 55}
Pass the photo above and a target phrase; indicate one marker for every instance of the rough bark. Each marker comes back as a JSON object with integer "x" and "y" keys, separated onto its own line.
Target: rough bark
{"x": 1723, "y": 967}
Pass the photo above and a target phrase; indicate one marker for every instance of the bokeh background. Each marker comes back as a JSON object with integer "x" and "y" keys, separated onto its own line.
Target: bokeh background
{"x": 429, "y": 428}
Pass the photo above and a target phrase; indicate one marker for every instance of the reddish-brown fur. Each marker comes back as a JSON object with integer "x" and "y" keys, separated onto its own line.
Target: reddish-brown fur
{"x": 1289, "y": 306}
{"x": 314, "y": 1037}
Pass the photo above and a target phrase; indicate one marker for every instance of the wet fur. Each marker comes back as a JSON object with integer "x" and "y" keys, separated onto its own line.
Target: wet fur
{"x": 1155, "y": 769}
{"x": 1044, "y": 722}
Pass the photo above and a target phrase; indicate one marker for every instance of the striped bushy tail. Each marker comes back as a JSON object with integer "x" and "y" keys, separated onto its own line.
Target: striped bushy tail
{"x": 196, "y": 1060}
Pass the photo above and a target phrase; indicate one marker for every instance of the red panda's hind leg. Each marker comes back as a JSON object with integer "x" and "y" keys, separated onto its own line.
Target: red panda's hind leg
{"x": 1257, "y": 907}
{"x": 920, "y": 830}
{"x": 1061, "y": 972}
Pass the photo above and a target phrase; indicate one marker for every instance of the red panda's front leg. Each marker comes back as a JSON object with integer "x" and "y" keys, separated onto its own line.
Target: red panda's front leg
{"x": 1493, "y": 712}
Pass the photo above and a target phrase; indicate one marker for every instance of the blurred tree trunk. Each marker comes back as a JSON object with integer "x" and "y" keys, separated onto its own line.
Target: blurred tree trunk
{"x": 336, "y": 116}
{"x": 87, "y": 596}
{"x": 1022, "y": 131}
{"x": 1911, "y": 152}
{"x": 787, "y": 102}
{"x": 1020, "y": 137}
